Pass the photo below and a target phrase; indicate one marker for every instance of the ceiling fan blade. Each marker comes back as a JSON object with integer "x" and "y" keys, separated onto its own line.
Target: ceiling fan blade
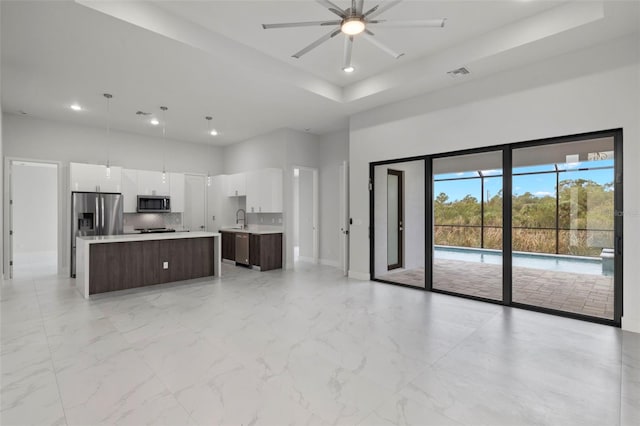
{"x": 359, "y": 6}
{"x": 299, "y": 24}
{"x": 426, "y": 23}
{"x": 383, "y": 6}
{"x": 317, "y": 43}
{"x": 381, "y": 46}
{"x": 333, "y": 8}
{"x": 348, "y": 47}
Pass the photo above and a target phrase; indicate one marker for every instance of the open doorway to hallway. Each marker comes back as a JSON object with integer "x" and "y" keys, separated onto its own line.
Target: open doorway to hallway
{"x": 305, "y": 215}
{"x": 33, "y": 219}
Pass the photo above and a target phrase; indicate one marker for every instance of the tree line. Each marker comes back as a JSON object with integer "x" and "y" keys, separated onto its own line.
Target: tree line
{"x": 583, "y": 214}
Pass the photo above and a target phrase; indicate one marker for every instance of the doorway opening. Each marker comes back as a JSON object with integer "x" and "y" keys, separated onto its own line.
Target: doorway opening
{"x": 33, "y": 219}
{"x": 195, "y": 203}
{"x": 305, "y": 215}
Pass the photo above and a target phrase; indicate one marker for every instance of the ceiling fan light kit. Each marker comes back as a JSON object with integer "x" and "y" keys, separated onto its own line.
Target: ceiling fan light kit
{"x": 352, "y": 26}
{"x": 355, "y": 22}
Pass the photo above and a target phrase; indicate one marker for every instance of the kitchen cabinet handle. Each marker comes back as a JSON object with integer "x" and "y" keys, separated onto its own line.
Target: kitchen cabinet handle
{"x": 102, "y": 212}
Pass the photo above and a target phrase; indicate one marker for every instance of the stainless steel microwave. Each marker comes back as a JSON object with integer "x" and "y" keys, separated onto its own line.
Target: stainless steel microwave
{"x": 154, "y": 204}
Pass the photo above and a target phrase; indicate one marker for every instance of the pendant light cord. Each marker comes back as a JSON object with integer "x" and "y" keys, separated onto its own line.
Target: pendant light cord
{"x": 164, "y": 141}
{"x": 108, "y": 97}
{"x": 209, "y": 118}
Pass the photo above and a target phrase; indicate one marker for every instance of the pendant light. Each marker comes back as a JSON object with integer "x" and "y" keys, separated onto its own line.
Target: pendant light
{"x": 209, "y": 118}
{"x": 108, "y": 98}
{"x": 164, "y": 142}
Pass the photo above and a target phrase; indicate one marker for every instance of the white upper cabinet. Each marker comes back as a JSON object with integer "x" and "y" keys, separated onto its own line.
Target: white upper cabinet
{"x": 151, "y": 183}
{"x": 264, "y": 191}
{"x": 236, "y": 185}
{"x": 130, "y": 190}
{"x": 176, "y": 191}
{"x": 94, "y": 178}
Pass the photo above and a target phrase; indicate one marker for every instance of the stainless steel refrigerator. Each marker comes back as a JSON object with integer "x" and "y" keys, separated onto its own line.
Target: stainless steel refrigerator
{"x": 94, "y": 213}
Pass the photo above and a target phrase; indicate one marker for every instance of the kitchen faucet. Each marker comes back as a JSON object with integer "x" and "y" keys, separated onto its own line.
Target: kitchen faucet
{"x": 243, "y": 218}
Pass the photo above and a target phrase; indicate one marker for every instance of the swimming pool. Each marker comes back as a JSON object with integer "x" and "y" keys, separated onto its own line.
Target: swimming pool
{"x": 548, "y": 262}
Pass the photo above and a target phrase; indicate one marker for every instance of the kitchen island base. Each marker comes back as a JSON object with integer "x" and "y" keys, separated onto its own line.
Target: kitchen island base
{"x": 125, "y": 262}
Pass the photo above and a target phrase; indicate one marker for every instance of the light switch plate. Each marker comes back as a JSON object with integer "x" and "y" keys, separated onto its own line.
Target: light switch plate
{"x": 165, "y": 265}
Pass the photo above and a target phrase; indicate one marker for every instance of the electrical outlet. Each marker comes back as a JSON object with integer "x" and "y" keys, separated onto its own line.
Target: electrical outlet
{"x": 273, "y": 220}
{"x": 280, "y": 220}
{"x": 213, "y": 218}
{"x": 165, "y": 265}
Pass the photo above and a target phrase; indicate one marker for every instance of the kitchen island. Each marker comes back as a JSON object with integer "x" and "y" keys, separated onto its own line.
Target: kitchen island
{"x": 119, "y": 262}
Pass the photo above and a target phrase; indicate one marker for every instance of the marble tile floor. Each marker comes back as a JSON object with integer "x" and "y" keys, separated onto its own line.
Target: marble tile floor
{"x": 302, "y": 347}
{"x": 565, "y": 291}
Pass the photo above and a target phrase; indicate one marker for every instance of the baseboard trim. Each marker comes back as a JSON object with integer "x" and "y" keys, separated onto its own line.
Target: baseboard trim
{"x": 329, "y": 262}
{"x": 359, "y": 276}
{"x": 631, "y": 325}
{"x": 306, "y": 259}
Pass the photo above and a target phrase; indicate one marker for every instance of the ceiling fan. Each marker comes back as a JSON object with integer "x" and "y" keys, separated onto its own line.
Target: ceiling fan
{"x": 354, "y": 21}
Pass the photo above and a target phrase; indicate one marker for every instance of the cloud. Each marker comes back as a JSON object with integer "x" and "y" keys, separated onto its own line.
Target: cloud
{"x": 542, "y": 194}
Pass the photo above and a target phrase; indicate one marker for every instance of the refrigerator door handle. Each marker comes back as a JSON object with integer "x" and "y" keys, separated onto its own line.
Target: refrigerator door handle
{"x": 102, "y": 214}
{"x": 96, "y": 223}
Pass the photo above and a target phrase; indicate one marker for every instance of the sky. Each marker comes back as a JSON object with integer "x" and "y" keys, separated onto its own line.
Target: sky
{"x": 539, "y": 185}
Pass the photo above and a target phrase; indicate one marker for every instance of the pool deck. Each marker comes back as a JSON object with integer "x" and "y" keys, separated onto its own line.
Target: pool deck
{"x": 585, "y": 294}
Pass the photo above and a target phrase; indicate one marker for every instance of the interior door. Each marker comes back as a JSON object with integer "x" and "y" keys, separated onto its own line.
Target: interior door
{"x": 195, "y": 203}
{"x": 395, "y": 218}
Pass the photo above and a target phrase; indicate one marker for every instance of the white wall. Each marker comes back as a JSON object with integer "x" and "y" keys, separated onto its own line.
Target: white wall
{"x": 414, "y": 210}
{"x": 261, "y": 152}
{"x": 334, "y": 150}
{"x": 284, "y": 148}
{"x": 305, "y": 214}
{"x": 35, "y": 208}
{"x": 589, "y": 90}
{"x": 34, "y": 138}
{"x": 37, "y": 139}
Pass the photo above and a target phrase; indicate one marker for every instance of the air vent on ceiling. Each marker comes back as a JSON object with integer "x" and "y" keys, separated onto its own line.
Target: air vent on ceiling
{"x": 459, "y": 72}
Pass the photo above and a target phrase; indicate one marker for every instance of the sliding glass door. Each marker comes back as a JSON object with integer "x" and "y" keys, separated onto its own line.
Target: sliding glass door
{"x": 536, "y": 225}
{"x": 563, "y": 229}
{"x": 467, "y": 224}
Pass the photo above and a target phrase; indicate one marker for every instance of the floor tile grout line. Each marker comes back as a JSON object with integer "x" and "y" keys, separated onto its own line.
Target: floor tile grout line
{"x": 130, "y": 345}
{"x": 457, "y": 345}
{"x": 53, "y": 367}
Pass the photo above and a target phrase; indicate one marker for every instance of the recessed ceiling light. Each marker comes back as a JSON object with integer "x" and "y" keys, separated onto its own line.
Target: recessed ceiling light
{"x": 154, "y": 121}
{"x": 348, "y": 69}
{"x": 76, "y": 107}
{"x": 213, "y": 132}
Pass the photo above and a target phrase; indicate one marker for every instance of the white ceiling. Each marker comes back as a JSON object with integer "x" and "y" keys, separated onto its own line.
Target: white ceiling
{"x": 213, "y": 58}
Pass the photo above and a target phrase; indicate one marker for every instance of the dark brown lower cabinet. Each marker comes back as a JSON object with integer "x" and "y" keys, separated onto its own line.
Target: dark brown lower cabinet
{"x": 228, "y": 245}
{"x": 254, "y": 249}
{"x": 265, "y": 251}
{"x": 123, "y": 265}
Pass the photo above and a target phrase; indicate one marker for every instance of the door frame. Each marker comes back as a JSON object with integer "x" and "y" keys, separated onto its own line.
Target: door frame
{"x": 7, "y": 268}
{"x": 344, "y": 217}
{"x": 616, "y": 133}
{"x": 315, "y": 210}
{"x": 400, "y": 175}
{"x": 205, "y": 195}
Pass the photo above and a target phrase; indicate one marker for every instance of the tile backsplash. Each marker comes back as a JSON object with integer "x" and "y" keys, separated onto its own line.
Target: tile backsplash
{"x": 152, "y": 220}
{"x": 264, "y": 219}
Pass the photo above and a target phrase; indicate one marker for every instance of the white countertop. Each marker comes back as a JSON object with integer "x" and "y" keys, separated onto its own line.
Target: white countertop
{"x": 255, "y": 229}
{"x": 146, "y": 237}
